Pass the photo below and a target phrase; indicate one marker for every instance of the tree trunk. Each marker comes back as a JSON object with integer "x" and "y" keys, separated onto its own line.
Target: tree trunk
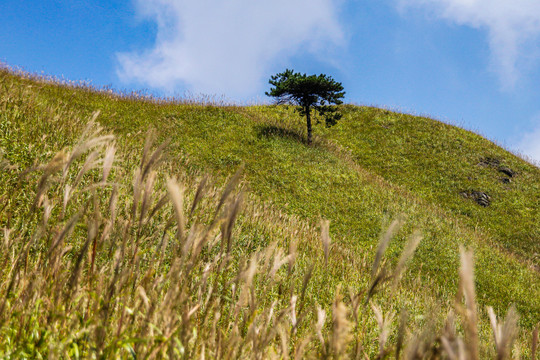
{"x": 308, "y": 121}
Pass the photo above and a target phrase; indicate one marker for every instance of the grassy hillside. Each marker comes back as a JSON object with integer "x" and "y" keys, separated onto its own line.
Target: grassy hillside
{"x": 373, "y": 167}
{"x": 440, "y": 162}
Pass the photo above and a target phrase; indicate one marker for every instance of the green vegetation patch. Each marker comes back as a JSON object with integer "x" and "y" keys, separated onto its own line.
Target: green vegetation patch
{"x": 289, "y": 185}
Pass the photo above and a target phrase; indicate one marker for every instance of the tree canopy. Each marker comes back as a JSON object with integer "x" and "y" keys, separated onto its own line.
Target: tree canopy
{"x": 318, "y": 92}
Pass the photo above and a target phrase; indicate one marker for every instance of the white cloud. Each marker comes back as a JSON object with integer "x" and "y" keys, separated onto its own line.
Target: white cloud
{"x": 529, "y": 144}
{"x": 227, "y": 46}
{"x": 513, "y": 28}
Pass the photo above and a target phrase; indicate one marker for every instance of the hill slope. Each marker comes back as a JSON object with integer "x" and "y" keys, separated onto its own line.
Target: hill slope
{"x": 372, "y": 167}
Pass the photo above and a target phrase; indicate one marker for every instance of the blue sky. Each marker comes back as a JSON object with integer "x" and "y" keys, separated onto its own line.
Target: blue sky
{"x": 474, "y": 63}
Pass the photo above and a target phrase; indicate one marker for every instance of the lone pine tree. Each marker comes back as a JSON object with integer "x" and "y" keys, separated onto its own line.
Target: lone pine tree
{"x": 308, "y": 92}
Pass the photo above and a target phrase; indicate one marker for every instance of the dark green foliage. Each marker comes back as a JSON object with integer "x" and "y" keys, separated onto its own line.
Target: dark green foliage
{"x": 308, "y": 92}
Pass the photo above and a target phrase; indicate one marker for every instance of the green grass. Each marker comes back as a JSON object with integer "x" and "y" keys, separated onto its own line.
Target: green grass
{"x": 372, "y": 167}
{"x": 437, "y": 162}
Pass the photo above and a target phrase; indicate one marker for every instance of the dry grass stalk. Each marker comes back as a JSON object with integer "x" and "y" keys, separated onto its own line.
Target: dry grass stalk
{"x": 534, "y": 342}
{"x": 407, "y": 253}
{"x": 301, "y": 348}
{"x": 341, "y": 328}
{"x": 137, "y": 190}
{"x": 148, "y": 142}
{"x": 89, "y": 139}
{"x": 108, "y": 161}
{"x": 401, "y": 332}
{"x": 58, "y": 240}
{"x": 466, "y": 277}
{"x": 154, "y": 159}
{"x": 384, "y": 329}
{"x": 504, "y": 334}
{"x": 198, "y": 194}
{"x": 305, "y": 282}
{"x": 325, "y": 237}
{"x": 231, "y": 185}
{"x": 294, "y": 320}
{"x": 7, "y": 236}
{"x": 228, "y": 224}
{"x": 321, "y": 319}
{"x": 147, "y": 197}
{"x": 176, "y": 195}
{"x": 53, "y": 166}
{"x": 293, "y": 253}
{"x": 89, "y": 163}
{"x": 383, "y": 244}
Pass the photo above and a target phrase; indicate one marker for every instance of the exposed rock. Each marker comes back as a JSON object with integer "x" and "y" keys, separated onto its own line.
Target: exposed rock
{"x": 507, "y": 171}
{"x": 506, "y": 180}
{"x": 480, "y": 197}
{"x": 489, "y": 161}
{"x": 495, "y": 163}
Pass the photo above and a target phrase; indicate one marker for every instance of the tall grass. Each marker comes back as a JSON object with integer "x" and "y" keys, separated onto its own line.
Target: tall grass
{"x": 94, "y": 266}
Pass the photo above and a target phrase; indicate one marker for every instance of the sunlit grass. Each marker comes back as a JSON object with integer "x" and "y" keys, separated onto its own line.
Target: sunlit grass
{"x": 96, "y": 234}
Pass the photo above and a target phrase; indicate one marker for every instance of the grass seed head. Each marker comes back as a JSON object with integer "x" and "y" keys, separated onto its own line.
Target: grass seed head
{"x": 383, "y": 243}
{"x": 325, "y": 237}
{"x": 466, "y": 276}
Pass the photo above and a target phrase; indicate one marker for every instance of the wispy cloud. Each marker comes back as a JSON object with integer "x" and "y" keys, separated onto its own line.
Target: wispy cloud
{"x": 218, "y": 47}
{"x": 529, "y": 144}
{"x": 513, "y": 28}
